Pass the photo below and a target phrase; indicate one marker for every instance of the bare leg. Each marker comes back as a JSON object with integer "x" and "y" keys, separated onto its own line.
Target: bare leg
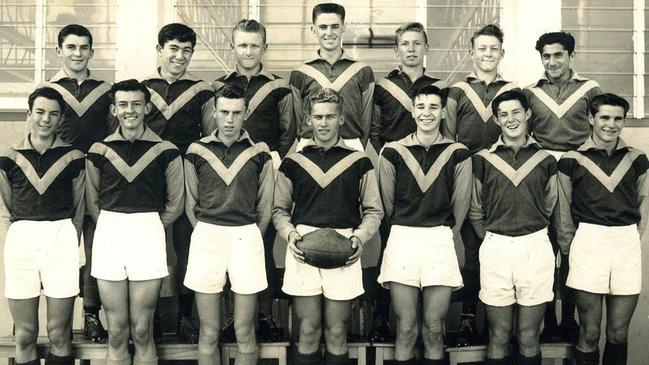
{"x": 59, "y": 325}
{"x": 245, "y": 308}
{"x": 25, "y": 316}
{"x": 209, "y": 311}
{"x": 436, "y": 302}
{"x": 114, "y": 297}
{"x": 404, "y": 303}
{"x": 143, "y": 297}
{"x": 309, "y": 312}
{"x": 500, "y": 330}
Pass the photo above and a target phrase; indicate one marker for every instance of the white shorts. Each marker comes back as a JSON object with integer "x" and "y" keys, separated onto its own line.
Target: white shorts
{"x": 516, "y": 269}
{"x": 41, "y": 253}
{"x": 606, "y": 260}
{"x": 215, "y": 251}
{"x": 129, "y": 246}
{"x": 420, "y": 257}
{"x": 344, "y": 283}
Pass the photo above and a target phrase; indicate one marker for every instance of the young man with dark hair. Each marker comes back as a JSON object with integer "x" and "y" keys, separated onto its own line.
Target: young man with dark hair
{"x": 87, "y": 120}
{"x": 333, "y": 68}
{"x": 516, "y": 258}
{"x": 602, "y": 218}
{"x": 181, "y": 113}
{"x": 229, "y": 181}
{"x": 134, "y": 191}
{"x": 469, "y": 120}
{"x": 393, "y": 121}
{"x": 41, "y": 190}
{"x": 559, "y": 122}
{"x": 425, "y": 183}
{"x": 269, "y": 119}
{"x": 313, "y": 191}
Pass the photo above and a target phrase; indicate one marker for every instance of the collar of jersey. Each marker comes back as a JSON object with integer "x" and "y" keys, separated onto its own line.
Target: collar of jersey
{"x": 310, "y": 143}
{"x": 262, "y": 72}
{"x": 61, "y": 74}
{"x": 148, "y": 136}
{"x": 185, "y": 76}
{"x": 317, "y": 57}
{"x": 25, "y": 144}
{"x": 574, "y": 77}
{"x": 500, "y": 143}
{"x": 214, "y": 137}
{"x": 412, "y": 140}
{"x": 472, "y": 77}
{"x": 590, "y": 145}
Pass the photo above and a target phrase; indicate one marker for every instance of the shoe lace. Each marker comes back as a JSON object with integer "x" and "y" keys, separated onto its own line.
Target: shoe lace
{"x": 93, "y": 324}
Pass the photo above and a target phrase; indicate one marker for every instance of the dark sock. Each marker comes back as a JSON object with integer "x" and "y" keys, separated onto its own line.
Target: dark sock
{"x": 331, "y": 359}
{"x": 314, "y": 358}
{"x": 550, "y": 318}
{"x": 382, "y": 308}
{"x": 52, "y": 359}
{"x": 504, "y": 361}
{"x": 31, "y": 362}
{"x": 410, "y": 361}
{"x": 468, "y": 307}
{"x": 524, "y": 360}
{"x": 615, "y": 354}
{"x": 91, "y": 309}
{"x": 434, "y": 362}
{"x": 185, "y": 305}
{"x": 586, "y": 358}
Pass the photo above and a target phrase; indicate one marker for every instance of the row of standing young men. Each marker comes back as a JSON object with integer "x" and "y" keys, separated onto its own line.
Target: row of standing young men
{"x": 378, "y": 112}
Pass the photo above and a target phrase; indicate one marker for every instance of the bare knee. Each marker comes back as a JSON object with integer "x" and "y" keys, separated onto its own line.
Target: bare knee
{"x": 528, "y": 340}
{"x": 59, "y": 334}
{"x": 407, "y": 330}
{"x": 26, "y": 337}
{"x": 617, "y": 334}
{"x": 434, "y": 330}
{"x": 141, "y": 333}
{"x": 244, "y": 331}
{"x": 499, "y": 335}
{"x": 589, "y": 334}
{"x": 118, "y": 335}
{"x": 336, "y": 333}
{"x": 310, "y": 331}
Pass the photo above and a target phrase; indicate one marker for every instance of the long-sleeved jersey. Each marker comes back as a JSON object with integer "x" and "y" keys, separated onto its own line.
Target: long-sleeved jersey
{"x": 143, "y": 175}
{"x": 182, "y": 110}
{"x": 334, "y": 188}
{"x": 600, "y": 189}
{"x": 425, "y": 187}
{"x": 560, "y": 113}
{"x": 353, "y": 80}
{"x": 48, "y": 186}
{"x": 514, "y": 193}
{"x": 270, "y": 116}
{"x": 229, "y": 185}
{"x": 469, "y": 118}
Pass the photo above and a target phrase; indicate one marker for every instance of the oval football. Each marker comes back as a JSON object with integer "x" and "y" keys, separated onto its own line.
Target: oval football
{"x": 325, "y": 248}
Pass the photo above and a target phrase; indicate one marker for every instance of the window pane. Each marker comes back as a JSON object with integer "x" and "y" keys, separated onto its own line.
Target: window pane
{"x": 450, "y": 27}
{"x": 96, "y": 15}
{"x": 17, "y": 52}
{"x": 213, "y": 21}
{"x": 603, "y": 30}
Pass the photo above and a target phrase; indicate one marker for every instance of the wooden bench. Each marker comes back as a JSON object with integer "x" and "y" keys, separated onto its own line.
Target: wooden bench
{"x": 557, "y": 352}
{"x": 168, "y": 348}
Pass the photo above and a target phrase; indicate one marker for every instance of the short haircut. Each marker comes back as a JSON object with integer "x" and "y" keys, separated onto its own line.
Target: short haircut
{"x": 431, "y": 90}
{"x": 490, "y": 30}
{"x": 74, "y": 29}
{"x": 176, "y": 31}
{"x": 325, "y": 95}
{"x": 129, "y": 85}
{"x": 410, "y": 27}
{"x": 328, "y": 8}
{"x": 608, "y": 99}
{"x": 509, "y": 95}
{"x": 47, "y": 93}
{"x": 250, "y": 26}
{"x": 563, "y": 38}
{"x": 230, "y": 92}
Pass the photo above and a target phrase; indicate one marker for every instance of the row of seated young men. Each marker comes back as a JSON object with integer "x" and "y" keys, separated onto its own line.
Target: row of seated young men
{"x": 426, "y": 184}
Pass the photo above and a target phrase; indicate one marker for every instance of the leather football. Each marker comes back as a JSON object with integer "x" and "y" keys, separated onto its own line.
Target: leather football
{"x": 325, "y": 248}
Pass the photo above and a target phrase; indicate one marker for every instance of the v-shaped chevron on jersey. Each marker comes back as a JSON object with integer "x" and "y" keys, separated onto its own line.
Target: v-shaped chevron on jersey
{"x": 225, "y": 173}
{"x": 484, "y": 111}
{"x": 325, "y": 178}
{"x": 79, "y": 107}
{"x": 515, "y": 176}
{"x": 609, "y": 182}
{"x": 41, "y": 184}
{"x": 561, "y": 110}
{"x": 168, "y": 110}
{"x": 263, "y": 92}
{"x": 340, "y": 81}
{"x": 396, "y": 93}
{"x": 131, "y": 172}
{"x": 425, "y": 180}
